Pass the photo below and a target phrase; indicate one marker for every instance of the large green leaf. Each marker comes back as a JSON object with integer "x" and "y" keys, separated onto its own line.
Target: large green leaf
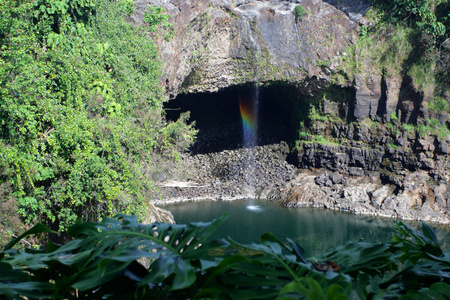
{"x": 277, "y": 265}
{"x": 30, "y": 289}
{"x": 124, "y": 240}
{"x": 356, "y": 258}
{"x": 15, "y": 282}
{"x": 415, "y": 245}
{"x": 429, "y": 232}
{"x": 101, "y": 263}
{"x": 36, "y": 229}
{"x": 101, "y": 252}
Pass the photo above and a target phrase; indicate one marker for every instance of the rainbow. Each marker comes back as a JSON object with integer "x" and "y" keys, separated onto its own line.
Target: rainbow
{"x": 248, "y": 121}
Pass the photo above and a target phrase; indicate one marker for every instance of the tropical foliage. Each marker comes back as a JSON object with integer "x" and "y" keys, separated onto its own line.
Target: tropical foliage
{"x": 417, "y": 30}
{"x": 403, "y": 39}
{"x": 80, "y": 111}
{"x": 100, "y": 262}
{"x": 421, "y": 14}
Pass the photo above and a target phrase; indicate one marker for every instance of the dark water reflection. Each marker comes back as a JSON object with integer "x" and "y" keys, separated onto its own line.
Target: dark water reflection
{"x": 316, "y": 230}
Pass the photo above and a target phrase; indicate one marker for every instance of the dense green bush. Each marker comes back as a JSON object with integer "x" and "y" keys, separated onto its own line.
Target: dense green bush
{"x": 100, "y": 262}
{"x": 299, "y": 12}
{"x": 439, "y": 104}
{"x": 420, "y": 14}
{"x": 80, "y": 111}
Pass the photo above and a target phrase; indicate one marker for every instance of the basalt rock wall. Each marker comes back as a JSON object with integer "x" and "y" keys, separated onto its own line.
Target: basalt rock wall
{"x": 362, "y": 150}
{"x": 222, "y": 43}
{"x": 219, "y": 43}
{"x": 373, "y": 170}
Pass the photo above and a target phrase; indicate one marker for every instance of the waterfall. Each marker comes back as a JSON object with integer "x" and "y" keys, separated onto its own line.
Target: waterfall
{"x": 249, "y": 107}
{"x": 255, "y": 59}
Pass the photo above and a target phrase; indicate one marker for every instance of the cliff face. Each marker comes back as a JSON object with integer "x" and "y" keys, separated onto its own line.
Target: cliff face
{"x": 222, "y": 43}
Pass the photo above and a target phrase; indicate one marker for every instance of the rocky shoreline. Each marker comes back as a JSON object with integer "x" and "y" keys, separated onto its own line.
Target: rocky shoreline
{"x": 230, "y": 175}
{"x": 363, "y": 195}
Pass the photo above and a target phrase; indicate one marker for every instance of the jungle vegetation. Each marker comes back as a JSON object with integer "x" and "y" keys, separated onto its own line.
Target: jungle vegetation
{"x": 106, "y": 260}
{"x": 81, "y": 125}
{"x": 81, "y": 118}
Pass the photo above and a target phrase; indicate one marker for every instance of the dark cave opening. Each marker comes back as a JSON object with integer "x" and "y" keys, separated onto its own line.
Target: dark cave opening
{"x": 218, "y": 118}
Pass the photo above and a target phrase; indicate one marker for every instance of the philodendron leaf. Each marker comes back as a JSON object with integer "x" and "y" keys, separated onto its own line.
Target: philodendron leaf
{"x": 181, "y": 272}
{"x": 36, "y": 229}
{"x": 269, "y": 244}
{"x": 298, "y": 251}
{"x": 118, "y": 242}
{"x": 304, "y": 288}
{"x": 16, "y": 283}
{"x": 30, "y": 289}
{"x": 335, "y": 292}
{"x": 102, "y": 251}
{"x": 8, "y": 274}
{"x": 356, "y": 258}
{"x": 429, "y": 232}
{"x": 415, "y": 245}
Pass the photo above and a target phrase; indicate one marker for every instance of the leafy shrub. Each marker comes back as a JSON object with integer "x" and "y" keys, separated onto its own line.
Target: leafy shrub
{"x": 157, "y": 19}
{"x": 363, "y": 31}
{"x": 420, "y": 14}
{"x": 299, "y": 12}
{"x": 80, "y": 111}
{"x": 408, "y": 127}
{"x": 315, "y": 115}
{"x": 302, "y": 135}
{"x": 323, "y": 63}
{"x": 393, "y": 116}
{"x": 439, "y": 104}
{"x": 127, "y": 6}
{"x": 101, "y": 262}
{"x": 405, "y": 39}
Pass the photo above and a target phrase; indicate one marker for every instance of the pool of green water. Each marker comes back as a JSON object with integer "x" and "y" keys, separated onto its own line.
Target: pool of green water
{"x": 316, "y": 230}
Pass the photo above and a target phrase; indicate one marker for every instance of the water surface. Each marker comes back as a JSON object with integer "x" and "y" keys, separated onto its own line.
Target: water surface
{"x": 316, "y": 230}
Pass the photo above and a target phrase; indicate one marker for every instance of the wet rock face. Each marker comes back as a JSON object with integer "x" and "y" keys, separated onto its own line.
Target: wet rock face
{"x": 367, "y": 96}
{"x": 223, "y": 43}
{"x": 355, "y": 9}
{"x": 219, "y": 43}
